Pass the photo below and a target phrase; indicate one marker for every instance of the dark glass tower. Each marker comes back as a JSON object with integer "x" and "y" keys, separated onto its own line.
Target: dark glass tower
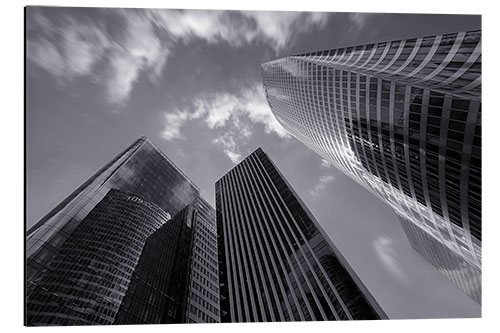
{"x": 403, "y": 119}
{"x": 118, "y": 250}
{"x": 203, "y": 293}
{"x": 275, "y": 261}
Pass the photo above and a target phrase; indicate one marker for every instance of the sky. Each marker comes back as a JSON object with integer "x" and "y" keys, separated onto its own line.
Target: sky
{"x": 97, "y": 79}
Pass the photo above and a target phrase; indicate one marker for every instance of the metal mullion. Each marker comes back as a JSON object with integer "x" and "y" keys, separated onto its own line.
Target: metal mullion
{"x": 245, "y": 201}
{"x": 394, "y": 58}
{"x": 349, "y": 113}
{"x": 244, "y": 247}
{"x": 267, "y": 259}
{"x": 337, "y": 295}
{"x": 262, "y": 226}
{"x": 283, "y": 249}
{"x": 428, "y": 57}
{"x": 374, "y": 50}
{"x": 445, "y": 120}
{"x": 451, "y": 54}
{"x": 237, "y": 249}
{"x": 412, "y": 55}
{"x": 390, "y": 191}
{"x": 393, "y": 148}
{"x": 233, "y": 295}
{"x": 381, "y": 58}
{"x": 423, "y": 132}
{"x": 464, "y": 175}
{"x": 267, "y": 179}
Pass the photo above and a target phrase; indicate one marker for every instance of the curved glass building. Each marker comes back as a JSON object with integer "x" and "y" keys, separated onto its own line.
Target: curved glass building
{"x": 403, "y": 119}
{"x": 110, "y": 253}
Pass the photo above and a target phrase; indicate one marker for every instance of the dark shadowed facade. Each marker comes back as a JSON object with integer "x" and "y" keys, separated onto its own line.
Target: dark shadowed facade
{"x": 276, "y": 263}
{"x": 403, "y": 119}
{"x": 118, "y": 250}
{"x": 203, "y": 293}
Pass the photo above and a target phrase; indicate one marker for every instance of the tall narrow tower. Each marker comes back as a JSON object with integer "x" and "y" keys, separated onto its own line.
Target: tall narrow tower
{"x": 276, "y": 262}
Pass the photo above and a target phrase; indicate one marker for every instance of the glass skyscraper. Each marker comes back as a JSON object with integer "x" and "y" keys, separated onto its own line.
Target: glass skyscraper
{"x": 120, "y": 249}
{"x": 203, "y": 292}
{"x": 403, "y": 119}
{"x": 276, "y": 263}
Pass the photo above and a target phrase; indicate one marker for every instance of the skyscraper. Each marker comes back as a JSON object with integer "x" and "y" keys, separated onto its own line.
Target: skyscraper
{"x": 276, "y": 263}
{"x": 403, "y": 119}
{"x": 119, "y": 249}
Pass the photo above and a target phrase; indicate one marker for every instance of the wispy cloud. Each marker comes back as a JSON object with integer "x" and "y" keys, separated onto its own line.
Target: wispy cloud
{"x": 67, "y": 49}
{"x": 70, "y": 48}
{"x": 276, "y": 29}
{"x": 229, "y": 112}
{"x": 326, "y": 164}
{"x": 321, "y": 184}
{"x": 173, "y": 124}
{"x": 325, "y": 178}
{"x": 228, "y": 144}
{"x": 279, "y": 28}
{"x": 359, "y": 19}
{"x": 385, "y": 249}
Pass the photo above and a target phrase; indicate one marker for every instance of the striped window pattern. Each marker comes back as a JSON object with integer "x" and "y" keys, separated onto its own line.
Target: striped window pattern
{"x": 403, "y": 119}
{"x": 276, "y": 262}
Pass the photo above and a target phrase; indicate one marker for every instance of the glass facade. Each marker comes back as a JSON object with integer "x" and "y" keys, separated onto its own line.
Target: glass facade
{"x": 403, "y": 119}
{"x": 157, "y": 291}
{"x": 466, "y": 276}
{"x": 63, "y": 238}
{"x": 276, "y": 264}
{"x": 203, "y": 294}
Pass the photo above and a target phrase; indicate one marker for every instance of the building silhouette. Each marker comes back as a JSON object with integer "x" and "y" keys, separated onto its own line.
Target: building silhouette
{"x": 403, "y": 119}
{"x": 276, "y": 263}
{"x": 124, "y": 248}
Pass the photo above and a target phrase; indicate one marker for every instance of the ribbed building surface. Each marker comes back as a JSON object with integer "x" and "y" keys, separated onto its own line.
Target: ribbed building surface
{"x": 276, "y": 263}
{"x": 403, "y": 119}
{"x": 203, "y": 294}
{"x": 466, "y": 276}
{"x": 63, "y": 238}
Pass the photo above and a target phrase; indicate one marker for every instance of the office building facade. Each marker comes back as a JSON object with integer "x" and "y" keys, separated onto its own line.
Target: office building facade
{"x": 403, "y": 119}
{"x": 276, "y": 263}
{"x": 203, "y": 293}
{"x": 95, "y": 258}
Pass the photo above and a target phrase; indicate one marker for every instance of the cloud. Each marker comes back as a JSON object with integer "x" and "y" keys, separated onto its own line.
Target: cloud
{"x": 229, "y": 146}
{"x": 141, "y": 49}
{"x": 173, "y": 124}
{"x": 128, "y": 42}
{"x": 233, "y": 114}
{"x": 359, "y": 19}
{"x": 275, "y": 29}
{"x": 325, "y": 164}
{"x": 46, "y": 55}
{"x": 218, "y": 108}
{"x": 321, "y": 184}
{"x": 279, "y": 28}
{"x": 257, "y": 109}
{"x": 70, "y": 48}
{"x": 384, "y": 248}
